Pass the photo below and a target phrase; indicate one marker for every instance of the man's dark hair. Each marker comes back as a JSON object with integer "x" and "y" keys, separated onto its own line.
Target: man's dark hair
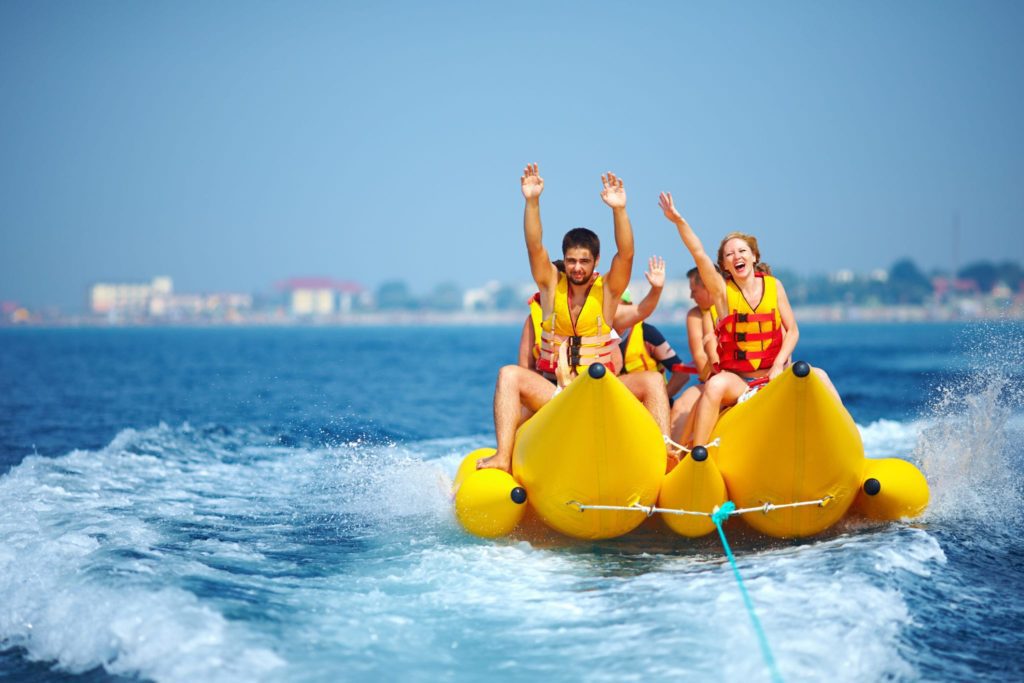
{"x": 582, "y": 238}
{"x": 695, "y": 274}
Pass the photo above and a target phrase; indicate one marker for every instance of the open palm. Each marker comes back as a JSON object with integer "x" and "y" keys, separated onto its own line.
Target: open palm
{"x": 668, "y": 207}
{"x": 656, "y": 271}
{"x": 531, "y": 182}
{"x": 613, "y": 193}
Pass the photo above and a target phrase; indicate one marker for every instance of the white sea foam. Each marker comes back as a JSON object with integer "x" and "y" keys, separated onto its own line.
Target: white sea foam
{"x": 890, "y": 438}
{"x": 971, "y": 449}
{"x": 77, "y": 574}
{"x": 134, "y": 557}
{"x": 179, "y": 553}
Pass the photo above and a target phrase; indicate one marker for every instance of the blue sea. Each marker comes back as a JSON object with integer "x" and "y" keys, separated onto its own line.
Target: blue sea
{"x": 272, "y": 505}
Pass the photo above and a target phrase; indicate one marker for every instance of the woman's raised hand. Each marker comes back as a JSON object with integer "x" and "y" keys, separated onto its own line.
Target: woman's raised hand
{"x": 668, "y": 207}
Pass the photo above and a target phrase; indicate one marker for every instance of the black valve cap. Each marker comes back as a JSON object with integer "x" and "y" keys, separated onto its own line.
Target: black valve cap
{"x": 519, "y": 495}
{"x": 801, "y": 368}
{"x": 699, "y": 454}
{"x": 872, "y": 486}
{"x": 596, "y": 371}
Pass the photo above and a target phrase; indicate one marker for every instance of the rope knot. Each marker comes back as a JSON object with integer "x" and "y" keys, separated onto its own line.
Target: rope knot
{"x": 720, "y": 514}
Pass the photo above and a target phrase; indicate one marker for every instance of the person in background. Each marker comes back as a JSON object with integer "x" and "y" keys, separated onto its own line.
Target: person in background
{"x": 643, "y": 345}
{"x": 700, "y": 336}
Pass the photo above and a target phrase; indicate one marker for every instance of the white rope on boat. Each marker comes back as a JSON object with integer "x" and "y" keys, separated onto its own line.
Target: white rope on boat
{"x": 680, "y": 447}
{"x": 650, "y": 510}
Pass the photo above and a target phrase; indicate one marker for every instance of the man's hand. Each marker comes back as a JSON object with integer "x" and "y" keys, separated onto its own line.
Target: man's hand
{"x": 613, "y": 194}
{"x": 563, "y": 373}
{"x": 656, "y": 272}
{"x": 531, "y": 182}
{"x": 669, "y": 208}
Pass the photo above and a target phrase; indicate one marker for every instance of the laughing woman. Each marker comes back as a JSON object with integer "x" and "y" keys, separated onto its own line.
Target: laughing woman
{"x": 756, "y": 330}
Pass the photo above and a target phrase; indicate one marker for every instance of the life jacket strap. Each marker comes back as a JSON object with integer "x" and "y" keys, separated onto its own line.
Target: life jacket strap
{"x": 582, "y": 350}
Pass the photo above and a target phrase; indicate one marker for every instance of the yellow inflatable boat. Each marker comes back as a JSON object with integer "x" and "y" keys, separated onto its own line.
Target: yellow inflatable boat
{"x": 591, "y": 464}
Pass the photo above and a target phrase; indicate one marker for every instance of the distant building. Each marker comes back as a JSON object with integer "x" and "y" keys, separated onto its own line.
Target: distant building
{"x": 843, "y": 276}
{"x": 321, "y": 297}
{"x": 157, "y": 301}
{"x": 129, "y": 298}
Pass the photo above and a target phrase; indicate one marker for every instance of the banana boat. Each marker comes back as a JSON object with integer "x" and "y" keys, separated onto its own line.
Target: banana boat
{"x": 591, "y": 464}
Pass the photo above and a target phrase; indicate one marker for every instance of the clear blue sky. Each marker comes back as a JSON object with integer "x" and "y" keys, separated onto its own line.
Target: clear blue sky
{"x": 233, "y": 144}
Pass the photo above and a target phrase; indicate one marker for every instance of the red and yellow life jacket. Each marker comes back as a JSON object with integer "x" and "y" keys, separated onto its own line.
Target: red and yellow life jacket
{"x": 589, "y": 338}
{"x": 749, "y": 339}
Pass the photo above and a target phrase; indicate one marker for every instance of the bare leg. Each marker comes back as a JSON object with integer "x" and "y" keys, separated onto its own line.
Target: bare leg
{"x": 515, "y": 389}
{"x": 649, "y": 388}
{"x": 721, "y": 390}
{"x": 823, "y": 376}
{"x": 681, "y": 411}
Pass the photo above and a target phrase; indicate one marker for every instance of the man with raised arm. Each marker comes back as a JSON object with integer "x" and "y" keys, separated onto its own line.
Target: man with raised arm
{"x": 578, "y": 311}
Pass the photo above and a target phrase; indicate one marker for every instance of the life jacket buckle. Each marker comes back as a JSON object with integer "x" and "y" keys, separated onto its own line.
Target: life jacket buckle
{"x": 741, "y": 336}
{"x": 741, "y": 317}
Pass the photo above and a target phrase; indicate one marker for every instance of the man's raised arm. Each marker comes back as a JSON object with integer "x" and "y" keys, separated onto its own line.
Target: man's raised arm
{"x": 544, "y": 273}
{"x": 614, "y": 195}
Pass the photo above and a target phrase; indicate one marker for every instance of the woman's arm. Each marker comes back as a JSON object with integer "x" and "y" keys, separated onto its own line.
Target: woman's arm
{"x": 790, "y": 335}
{"x": 705, "y": 266}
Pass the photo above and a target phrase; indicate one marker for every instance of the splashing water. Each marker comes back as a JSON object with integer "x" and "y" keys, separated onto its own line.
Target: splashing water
{"x": 972, "y": 444}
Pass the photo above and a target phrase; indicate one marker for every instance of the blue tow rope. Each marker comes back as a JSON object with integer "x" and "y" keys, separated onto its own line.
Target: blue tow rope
{"x": 718, "y": 517}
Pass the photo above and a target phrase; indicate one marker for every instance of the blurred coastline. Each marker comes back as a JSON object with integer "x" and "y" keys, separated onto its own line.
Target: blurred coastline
{"x": 903, "y": 293}
{"x": 675, "y": 316}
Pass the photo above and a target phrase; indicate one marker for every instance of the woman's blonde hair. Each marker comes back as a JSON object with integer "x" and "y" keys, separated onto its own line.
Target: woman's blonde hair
{"x": 759, "y": 265}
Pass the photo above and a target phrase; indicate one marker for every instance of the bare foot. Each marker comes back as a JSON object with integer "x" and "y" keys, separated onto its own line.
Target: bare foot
{"x": 496, "y": 462}
{"x": 673, "y": 457}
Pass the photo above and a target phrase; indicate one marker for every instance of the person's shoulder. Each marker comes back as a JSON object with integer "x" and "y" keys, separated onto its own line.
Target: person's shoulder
{"x": 695, "y": 312}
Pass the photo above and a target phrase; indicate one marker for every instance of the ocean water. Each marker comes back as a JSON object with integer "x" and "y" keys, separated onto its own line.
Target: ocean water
{"x": 271, "y": 504}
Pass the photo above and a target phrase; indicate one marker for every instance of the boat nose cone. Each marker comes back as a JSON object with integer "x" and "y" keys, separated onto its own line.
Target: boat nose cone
{"x": 518, "y": 495}
{"x": 699, "y": 454}
{"x": 872, "y": 487}
{"x": 596, "y": 371}
{"x": 801, "y": 368}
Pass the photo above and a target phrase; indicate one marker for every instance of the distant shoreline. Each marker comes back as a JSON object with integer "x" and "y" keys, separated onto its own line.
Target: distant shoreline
{"x": 827, "y": 314}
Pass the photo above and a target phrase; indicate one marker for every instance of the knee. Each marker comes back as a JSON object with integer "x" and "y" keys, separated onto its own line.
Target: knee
{"x": 714, "y": 389}
{"x": 509, "y": 375}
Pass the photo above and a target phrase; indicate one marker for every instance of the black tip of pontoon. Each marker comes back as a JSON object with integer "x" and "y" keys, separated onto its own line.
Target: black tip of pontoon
{"x": 699, "y": 454}
{"x": 801, "y": 368}
{"x": 872, "y": 486}
{"x": 519, "y": 495}
{"x": 596, "y": 371}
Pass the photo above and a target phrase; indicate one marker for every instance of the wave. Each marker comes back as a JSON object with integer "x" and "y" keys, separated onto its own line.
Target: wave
{"x": 971, "y": 447}
{"x": 218, "y": 553}
{"x": 142, "y": 556}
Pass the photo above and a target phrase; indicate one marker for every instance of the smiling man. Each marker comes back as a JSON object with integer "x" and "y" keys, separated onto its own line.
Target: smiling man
{"x": 577, "y": 310}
